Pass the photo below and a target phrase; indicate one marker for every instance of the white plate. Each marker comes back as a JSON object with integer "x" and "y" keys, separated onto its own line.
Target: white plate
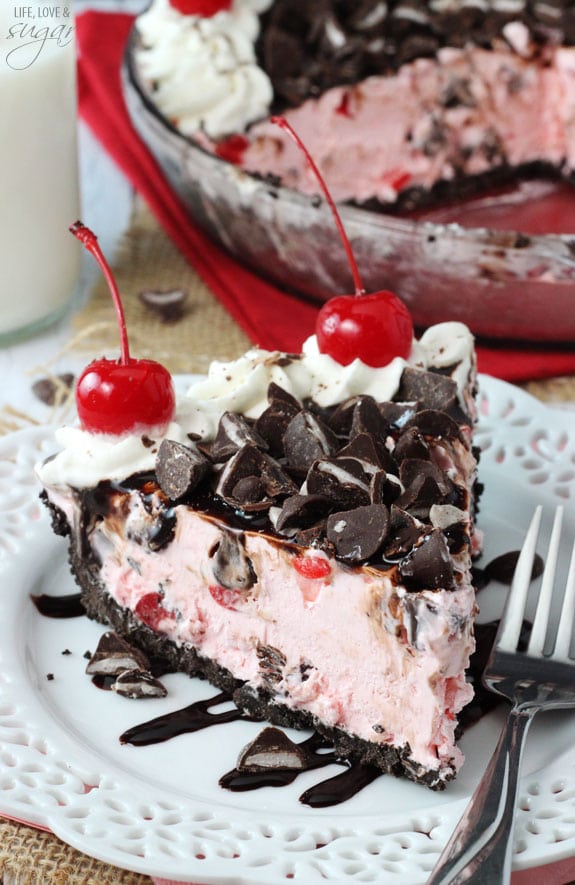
{"x": 159, "y": 810}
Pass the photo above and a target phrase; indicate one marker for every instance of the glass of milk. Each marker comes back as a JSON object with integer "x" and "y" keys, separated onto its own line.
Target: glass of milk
{"x": 39, "y": 258}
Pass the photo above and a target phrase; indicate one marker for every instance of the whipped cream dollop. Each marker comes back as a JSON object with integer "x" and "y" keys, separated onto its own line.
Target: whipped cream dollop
{"x": 241, "y": 386}
{"x": 203, "y": 71}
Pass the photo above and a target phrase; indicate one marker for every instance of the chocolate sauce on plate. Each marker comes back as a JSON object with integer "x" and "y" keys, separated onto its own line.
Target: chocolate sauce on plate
{"x": 192, "y": 718}
{"x": 70, "y": 606}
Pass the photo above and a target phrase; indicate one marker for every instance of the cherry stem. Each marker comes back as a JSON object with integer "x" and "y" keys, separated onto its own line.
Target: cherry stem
{"x": 283, "y": 124}
{"x": 90, "y": 242}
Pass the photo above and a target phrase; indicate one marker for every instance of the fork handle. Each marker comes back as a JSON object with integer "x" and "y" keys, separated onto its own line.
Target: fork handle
{"x": 480, "y": 848}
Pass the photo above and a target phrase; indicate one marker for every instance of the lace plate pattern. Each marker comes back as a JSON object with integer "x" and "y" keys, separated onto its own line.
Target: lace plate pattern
{"x": 159, "y": 810}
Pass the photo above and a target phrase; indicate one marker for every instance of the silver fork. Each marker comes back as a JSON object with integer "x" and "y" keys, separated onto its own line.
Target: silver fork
{"x": 480, "y": 848}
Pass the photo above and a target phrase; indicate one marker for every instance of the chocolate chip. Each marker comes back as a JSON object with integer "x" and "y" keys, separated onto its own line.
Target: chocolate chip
{"x": 435, "y": 390}
{"x": 53, "y": 391}
{"x": 336, "y": 482}
{"x": 363, "y": 447}
{"x": 233, "y": 432}
{"x": 411, "y": 444}
{"x": 114, "y": 655}
{"x": 425, "y": 484}
{"x": 384, "y": 488}
{"x": 302, "y": 511}
{"x": 167, "y": 304}
{"x": 137, "y": 684}
{"x": 307, "y": 439}
{"x": 358, "y": 534}
{"x": 180, "y": 468}
{"x": 398, "y": 414}
{"x": 251, "y": 462}
{"x": 429, "y": 565}
{"x": 431, "y": 422}
{"x": 231, "y": 566}
{"x": 404, "y": 533}
{"x": 273, "y": 422}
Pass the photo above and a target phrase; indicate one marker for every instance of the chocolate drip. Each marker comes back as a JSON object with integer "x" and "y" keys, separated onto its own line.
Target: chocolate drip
{"x": 61, "y": 607}
{"x": 195, "y": 717}
{"x": 341, "y": 787}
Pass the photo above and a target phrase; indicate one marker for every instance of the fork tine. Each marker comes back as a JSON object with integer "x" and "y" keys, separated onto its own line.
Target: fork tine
{"x": 541, "y": 620}
{"x": 565, "y": 629}
{"x": 512, "y": 618}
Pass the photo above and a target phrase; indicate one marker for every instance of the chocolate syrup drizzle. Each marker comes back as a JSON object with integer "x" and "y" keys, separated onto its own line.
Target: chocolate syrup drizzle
{"x": 314, "y": 752}
{"x": 69, "y": 606}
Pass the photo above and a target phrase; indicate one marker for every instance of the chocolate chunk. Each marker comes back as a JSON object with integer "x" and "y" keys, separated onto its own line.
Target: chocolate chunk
{"x": 335, "y": 481}
{"x": 307, "y": 439}
{"x": 231, "y": 566}
{"x": 273, "y": 422}
{"x": 341, "y": 418}
{"x": 358, "y": 534}
{"x": 233, "y": 433}
{"x": 251, "y": 462}
{"x": 272, "y": 749}
{"x": 367, "y": 418}
{"x": 384, "y": 488}
{"x": 114, "y": 655}
{"x": 302, "y": 511}
{"x": 429, "y": 565}
{"x": 167, "y": 304}
{"x": 138, "y": 684}
{"x": 435, "y": 390}
{"x": 363, "y": 447}
{"x": 404, "y": 533}
{"x": 314, "y": 536}
{"x": 278, "y": 396}
{"x": 398, "y": 414}
{"x": 53, "y": 391}
{"x": 180, "y": 468}
{"x": 430, "y": 422}
{"x": 411, "y": 444}
{"x": 425, "y": 484}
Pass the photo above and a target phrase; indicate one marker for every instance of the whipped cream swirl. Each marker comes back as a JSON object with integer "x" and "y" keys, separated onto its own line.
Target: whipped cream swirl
{"x": 241, "y": 386}
{"x": 203, "y": 71}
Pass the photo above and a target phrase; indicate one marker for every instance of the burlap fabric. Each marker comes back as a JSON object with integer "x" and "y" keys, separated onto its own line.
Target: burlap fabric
{"x": 147, "y": 260}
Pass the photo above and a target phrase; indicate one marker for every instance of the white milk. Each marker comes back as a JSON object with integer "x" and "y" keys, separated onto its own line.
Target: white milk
{"x": 39, "y": 258}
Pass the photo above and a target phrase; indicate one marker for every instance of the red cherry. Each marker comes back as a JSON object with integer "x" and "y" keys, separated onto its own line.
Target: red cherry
{"x": 150, "y": 611}
{"x": 230, "y": 599}
{"x": 374, "y": 328}
{"x": 127, "y": 395}
{"x": 205, "y": 8}
{"x": 312, "y": 566}
{"x": 115, "y": 398}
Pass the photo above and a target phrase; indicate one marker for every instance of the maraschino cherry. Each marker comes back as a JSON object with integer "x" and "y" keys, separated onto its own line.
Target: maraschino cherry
{"x": 373, "y": 327}
{"x": 205, "y": 8}
{"x": 125, "y": 395}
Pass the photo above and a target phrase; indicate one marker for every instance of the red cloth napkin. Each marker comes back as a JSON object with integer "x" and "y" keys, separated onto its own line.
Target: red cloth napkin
{"x": 270, "y": 317}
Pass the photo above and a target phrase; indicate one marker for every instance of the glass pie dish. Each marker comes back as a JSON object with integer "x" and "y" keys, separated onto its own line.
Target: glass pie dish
{"x": 502, "y": 282}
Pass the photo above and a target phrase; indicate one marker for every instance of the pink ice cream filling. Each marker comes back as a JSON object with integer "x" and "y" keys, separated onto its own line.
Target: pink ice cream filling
{"x": 359, "y": 652}
{"x": 464, "y": 113}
